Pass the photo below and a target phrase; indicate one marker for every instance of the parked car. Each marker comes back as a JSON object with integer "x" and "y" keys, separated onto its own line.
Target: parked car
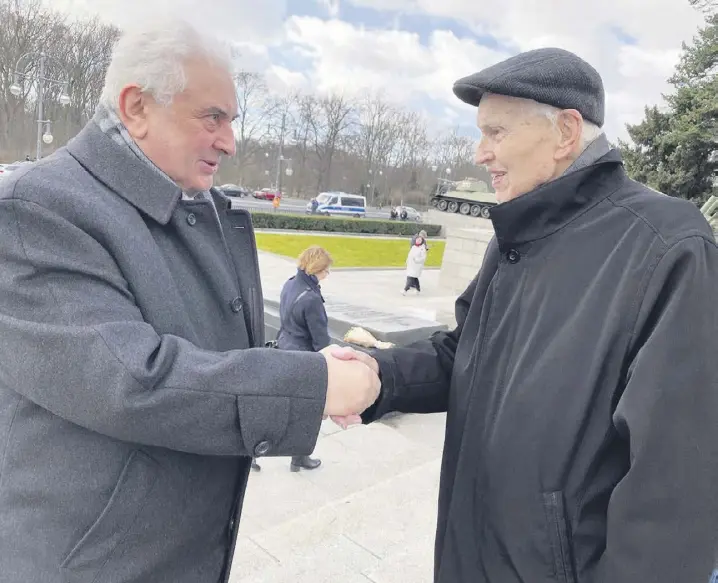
{"x": 340, "y": 204}
{"x": 267, "y": 194}
{"x": 234, "y": 190}
{"x": 405, "y": 213}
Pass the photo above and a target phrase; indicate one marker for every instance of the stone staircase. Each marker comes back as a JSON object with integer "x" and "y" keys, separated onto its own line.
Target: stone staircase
{"x": 367, "y": 515}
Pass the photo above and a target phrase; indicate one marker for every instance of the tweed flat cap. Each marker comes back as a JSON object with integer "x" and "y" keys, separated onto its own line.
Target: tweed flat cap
{"x": 553, "y": 76}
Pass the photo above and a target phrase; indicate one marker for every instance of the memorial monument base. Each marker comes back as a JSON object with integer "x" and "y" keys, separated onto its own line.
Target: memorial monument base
{"x": 463, "y": 256}
{"x": 396, "y": 328}
{"x": 452, "y": 221}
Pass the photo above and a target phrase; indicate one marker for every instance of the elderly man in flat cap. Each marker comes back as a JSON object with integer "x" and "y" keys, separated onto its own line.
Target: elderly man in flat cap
{"x": 581, "y": 384}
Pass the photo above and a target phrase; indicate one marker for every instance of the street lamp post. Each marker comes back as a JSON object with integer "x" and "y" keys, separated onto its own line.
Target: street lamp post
{"x": 42, "y": 81}
{"x": 280, "y": 158}
{"x": 384, "y": 177}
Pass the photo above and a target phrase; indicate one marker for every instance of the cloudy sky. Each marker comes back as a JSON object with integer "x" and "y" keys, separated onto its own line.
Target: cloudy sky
{"x": 413, "y": 50}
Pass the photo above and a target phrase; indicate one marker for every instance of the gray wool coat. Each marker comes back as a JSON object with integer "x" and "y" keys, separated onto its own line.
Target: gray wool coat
{"x": 132, "y": 394}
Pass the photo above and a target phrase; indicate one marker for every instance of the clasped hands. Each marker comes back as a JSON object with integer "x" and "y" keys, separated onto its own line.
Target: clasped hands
{"x": 352, "y": 384}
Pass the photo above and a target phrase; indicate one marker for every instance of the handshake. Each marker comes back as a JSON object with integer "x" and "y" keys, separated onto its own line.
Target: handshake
{"x": 352, "y": 384}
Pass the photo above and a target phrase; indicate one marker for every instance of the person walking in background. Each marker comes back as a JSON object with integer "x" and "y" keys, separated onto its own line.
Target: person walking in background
{"x": 303, "y": 322}
{"x": 275, "y": 202}
{"x": 415, "y": 264}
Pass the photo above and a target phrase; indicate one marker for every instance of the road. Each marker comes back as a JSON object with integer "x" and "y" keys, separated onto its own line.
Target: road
{"x": 294, "y": 205}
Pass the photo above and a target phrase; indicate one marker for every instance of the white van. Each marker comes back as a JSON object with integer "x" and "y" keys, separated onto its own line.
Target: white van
{"x": 339, "y": 204}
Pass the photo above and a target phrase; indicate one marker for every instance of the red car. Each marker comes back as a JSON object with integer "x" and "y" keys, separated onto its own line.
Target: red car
{"x": 266, "y": 194}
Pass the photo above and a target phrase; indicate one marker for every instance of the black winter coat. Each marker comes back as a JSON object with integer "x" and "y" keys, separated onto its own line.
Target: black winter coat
{"x": 581, "y": 389}
{"x": 303, "y": 319}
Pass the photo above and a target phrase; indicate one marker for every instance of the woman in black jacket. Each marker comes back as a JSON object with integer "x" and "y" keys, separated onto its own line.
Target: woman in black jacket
{"x": 303, "y": 319}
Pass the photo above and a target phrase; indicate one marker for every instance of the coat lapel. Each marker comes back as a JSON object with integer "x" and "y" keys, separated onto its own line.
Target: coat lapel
{"x": 124, "y": 173}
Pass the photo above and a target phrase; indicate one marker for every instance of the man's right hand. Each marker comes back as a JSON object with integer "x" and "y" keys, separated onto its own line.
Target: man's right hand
{"x": 352, "y": 386}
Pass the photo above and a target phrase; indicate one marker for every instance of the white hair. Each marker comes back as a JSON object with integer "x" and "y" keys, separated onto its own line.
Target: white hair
{"x": 153, "y": 55}
{"x": 590, "y": 131}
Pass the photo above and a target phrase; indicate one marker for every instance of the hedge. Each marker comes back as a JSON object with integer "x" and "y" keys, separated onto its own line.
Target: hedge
{"x": 295, "y": 222}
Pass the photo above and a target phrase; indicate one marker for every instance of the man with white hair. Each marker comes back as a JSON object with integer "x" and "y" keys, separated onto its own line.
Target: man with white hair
{"x": 134, "y": 383}
{"x": 580, "y": 383}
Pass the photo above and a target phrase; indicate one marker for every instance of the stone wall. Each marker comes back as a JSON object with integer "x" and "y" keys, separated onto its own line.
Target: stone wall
{"x": 390, "y": 326}
{"x": 463, "y": 255}
{"x": 449, "y": 221}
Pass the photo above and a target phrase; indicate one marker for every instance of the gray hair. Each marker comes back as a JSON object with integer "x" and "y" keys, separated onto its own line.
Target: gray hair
{"x": 153, "y": 55}
{"x": 589, "y": 132}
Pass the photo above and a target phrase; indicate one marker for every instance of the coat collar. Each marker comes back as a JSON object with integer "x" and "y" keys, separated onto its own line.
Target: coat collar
{"x": 122, "y": 172}
{"x": 553, "y": 205}
{"x": 311, "y": 280}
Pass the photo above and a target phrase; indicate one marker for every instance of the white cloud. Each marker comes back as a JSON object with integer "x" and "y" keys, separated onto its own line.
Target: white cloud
{"x": 252, "y": 27}
{"x": 252, "y": 57}
{"x": 283, "y": 81}
{"x": 352, "y": 59}
{"x": 634, "y": 75}
{"x": 241, "y": 20}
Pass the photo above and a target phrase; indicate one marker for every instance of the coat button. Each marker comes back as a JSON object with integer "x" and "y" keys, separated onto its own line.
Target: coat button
{"x": 236, "y": 305}
{"x": 513, "y": 256}
{"x": 261, "y": 448}
{"x": 191, "y": 219}
{"x": 232, "y": 524}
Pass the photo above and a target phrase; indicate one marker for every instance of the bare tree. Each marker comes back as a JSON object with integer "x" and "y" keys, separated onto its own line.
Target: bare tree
{"x": 327, "y": 124}
{"x": 87, "y": 55}
{"x": 307, "y": 110}
{"x": 25, "y": 26}
{"x": 412, "y": 149}
{"x": 374, "y": 142}
{"x": 255, "y": 107}
{"x": 374, "y": 115}
{"x": 413, "y": 142}
{"x": 83, "y": 55}
{"x": 455, "y": 151}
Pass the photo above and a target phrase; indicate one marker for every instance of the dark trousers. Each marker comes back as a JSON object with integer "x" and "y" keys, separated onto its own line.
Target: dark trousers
{"x": 412, "y": 282}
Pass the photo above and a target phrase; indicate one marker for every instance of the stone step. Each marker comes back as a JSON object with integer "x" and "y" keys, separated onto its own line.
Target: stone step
{"x": 368, "y": 514}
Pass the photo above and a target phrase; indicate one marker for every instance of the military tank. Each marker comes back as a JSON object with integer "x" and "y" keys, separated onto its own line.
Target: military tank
{"x": 467, "y": 197}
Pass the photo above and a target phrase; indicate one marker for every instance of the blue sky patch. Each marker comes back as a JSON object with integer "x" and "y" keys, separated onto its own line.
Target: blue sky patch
{"x": 623, "y": 36}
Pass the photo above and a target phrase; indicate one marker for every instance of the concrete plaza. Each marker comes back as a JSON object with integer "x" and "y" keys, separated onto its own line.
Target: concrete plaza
{"x": 368, "y": 514}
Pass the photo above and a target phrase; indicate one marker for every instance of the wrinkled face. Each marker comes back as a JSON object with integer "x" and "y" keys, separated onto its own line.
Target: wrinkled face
{"x": 187, "y": 138}
{"x": 521, "y": 148}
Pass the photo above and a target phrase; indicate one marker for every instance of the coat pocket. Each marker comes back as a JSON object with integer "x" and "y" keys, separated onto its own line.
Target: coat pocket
{"x": 93, "y": 554}
{"x": 559, "y": 537}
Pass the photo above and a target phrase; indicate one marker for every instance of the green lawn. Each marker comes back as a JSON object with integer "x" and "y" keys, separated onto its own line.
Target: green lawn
{"x": 350, "y": 251}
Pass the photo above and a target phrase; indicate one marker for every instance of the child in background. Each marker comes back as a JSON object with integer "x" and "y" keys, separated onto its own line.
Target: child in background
{"x": 415, "y": 265}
